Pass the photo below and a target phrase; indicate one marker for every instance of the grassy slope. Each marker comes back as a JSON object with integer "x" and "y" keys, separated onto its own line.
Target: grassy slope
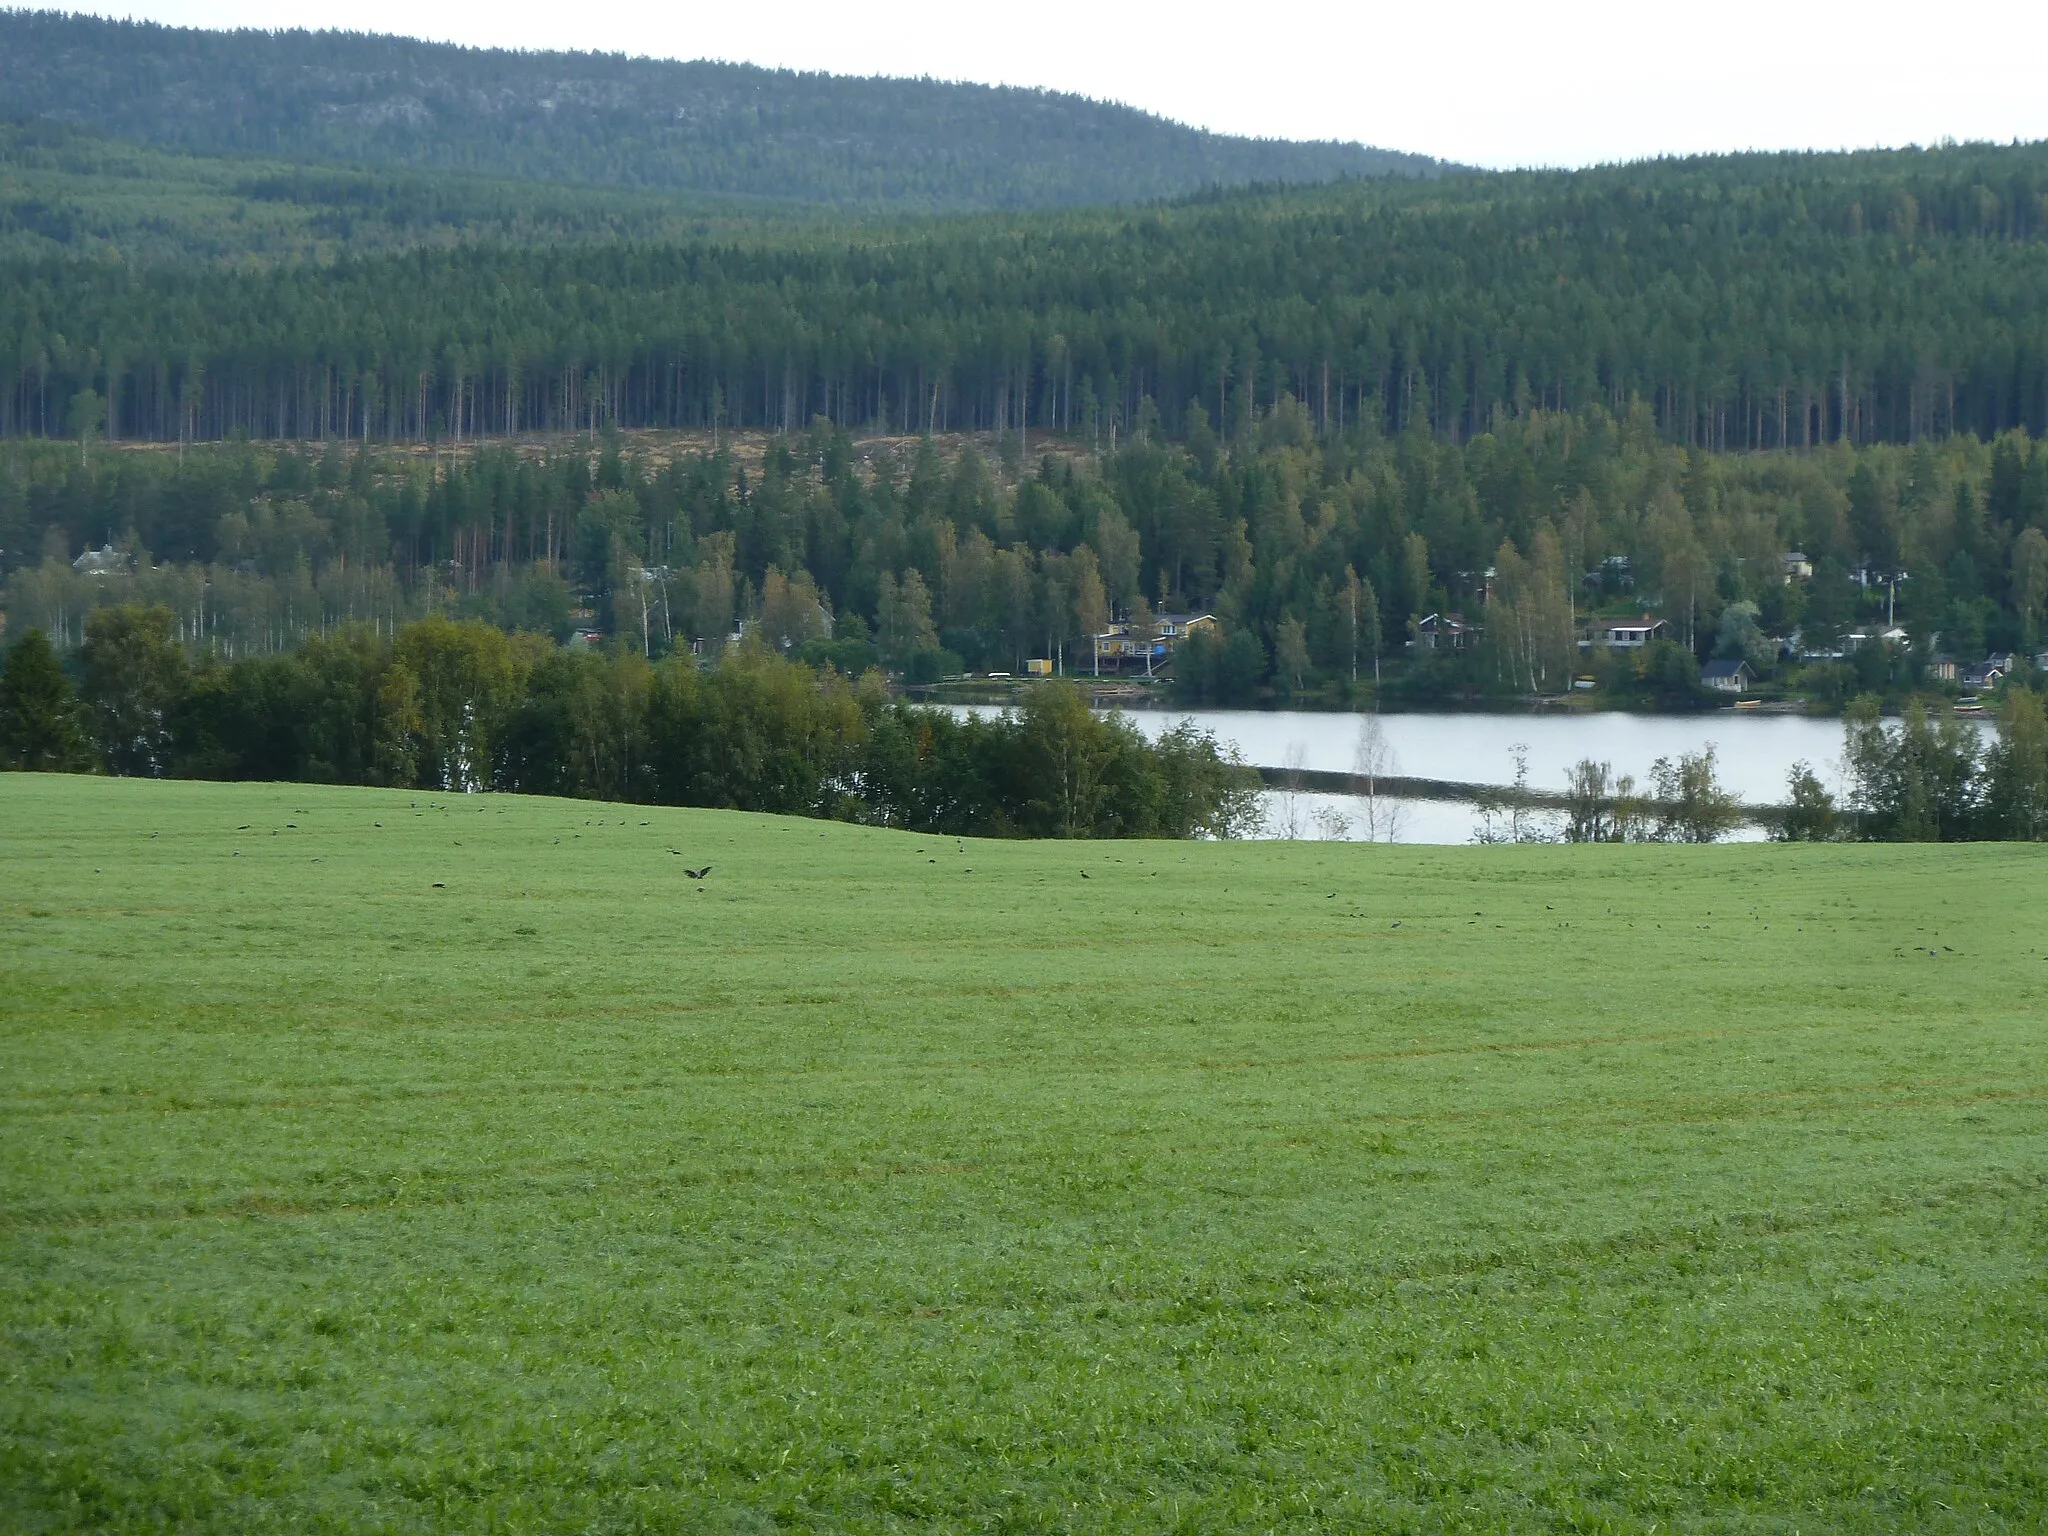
{"x": 860, "y": 1191}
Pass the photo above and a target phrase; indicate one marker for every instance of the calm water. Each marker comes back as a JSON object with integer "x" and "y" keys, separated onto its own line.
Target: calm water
{"x": 1755, "y": 753}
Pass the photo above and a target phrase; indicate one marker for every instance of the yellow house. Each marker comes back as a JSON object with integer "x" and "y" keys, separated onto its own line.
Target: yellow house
{"x": 1119, "y": 647}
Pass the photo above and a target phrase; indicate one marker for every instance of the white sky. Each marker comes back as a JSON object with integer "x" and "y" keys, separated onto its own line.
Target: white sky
{"x": 1487, "y": 82}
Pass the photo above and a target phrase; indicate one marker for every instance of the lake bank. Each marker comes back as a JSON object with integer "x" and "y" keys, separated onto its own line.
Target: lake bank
{"x": 1448, "y": 764}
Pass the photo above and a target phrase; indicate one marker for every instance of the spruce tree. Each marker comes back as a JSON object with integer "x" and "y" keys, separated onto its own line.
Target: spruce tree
{"x": 39, "y": 724}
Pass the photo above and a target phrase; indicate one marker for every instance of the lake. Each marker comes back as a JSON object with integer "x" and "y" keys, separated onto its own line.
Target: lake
{"x": 1755, "y": 753}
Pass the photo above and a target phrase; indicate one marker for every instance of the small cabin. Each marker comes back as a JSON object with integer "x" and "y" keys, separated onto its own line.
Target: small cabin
{"x": 1988, "y": 675}
{"x": 1443, "y": 632}
{"x": 1630, "y": 634}
{"x": 1726, "y": 676}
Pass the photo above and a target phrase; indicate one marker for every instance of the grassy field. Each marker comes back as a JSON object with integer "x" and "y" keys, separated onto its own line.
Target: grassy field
{"x": 376, "y": 1161}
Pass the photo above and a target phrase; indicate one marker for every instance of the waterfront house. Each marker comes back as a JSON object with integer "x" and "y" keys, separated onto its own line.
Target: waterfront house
{"x": 1443, "y": 632}
{"x": 1628, "y": 634}
{"x": 1726, "y": 676}
{"x": 1124, "y": 645}
{"x": 1986, "y": 675}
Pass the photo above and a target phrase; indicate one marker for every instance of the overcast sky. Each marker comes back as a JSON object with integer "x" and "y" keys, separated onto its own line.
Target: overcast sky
{"x": 1485, "y": 82}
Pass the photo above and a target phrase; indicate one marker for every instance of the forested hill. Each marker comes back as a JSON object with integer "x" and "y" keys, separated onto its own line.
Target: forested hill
{"x": 1750, "y": 301}
{"x": 610, "y": 120}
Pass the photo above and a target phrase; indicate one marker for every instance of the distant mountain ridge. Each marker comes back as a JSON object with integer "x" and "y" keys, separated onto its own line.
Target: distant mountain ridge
{"x": 611, "y": 120}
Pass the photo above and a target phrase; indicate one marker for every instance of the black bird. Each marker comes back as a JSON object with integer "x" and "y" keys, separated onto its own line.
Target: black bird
{"x": 1084, "y": 874}
{"x": 698, "y": 874}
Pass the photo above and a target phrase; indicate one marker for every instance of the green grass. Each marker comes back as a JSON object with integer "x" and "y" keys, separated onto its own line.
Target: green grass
{"x": 891, "y": 1183}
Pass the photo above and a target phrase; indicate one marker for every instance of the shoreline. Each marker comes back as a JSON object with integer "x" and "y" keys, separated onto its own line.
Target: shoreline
{"x": 1133, "y": 696}
{"x": 1318, "y": 781}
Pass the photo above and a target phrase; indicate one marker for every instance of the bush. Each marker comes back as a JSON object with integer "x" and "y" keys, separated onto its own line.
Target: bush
{"x": 1810, "y": 814}
{"x": 1694, "y": 807}
{"x": 931, "y": 666}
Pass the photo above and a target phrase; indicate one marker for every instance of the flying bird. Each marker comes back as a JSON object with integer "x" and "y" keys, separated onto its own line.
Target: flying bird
{"x": 698, "y": 874}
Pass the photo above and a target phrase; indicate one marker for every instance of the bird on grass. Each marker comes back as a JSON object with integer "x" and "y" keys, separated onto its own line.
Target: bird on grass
{"x": 698, "y": 874}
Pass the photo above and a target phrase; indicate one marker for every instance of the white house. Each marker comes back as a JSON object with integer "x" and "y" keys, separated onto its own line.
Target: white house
{"x": 102, "y": 562}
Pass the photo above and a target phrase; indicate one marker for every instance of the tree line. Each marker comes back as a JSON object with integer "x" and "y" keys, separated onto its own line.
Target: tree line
{"x": 1317, "y": 554}
{"x": 1752, "y": 302}
{"x": 452, "y": 705}
{"x": 1924, "y": 776}
{"x": 1929, "y": 777}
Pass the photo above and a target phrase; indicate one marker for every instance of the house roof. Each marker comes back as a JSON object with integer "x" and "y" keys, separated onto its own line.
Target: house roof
{"x": 1724, "y": 669}
{"x": 95, "y": 562}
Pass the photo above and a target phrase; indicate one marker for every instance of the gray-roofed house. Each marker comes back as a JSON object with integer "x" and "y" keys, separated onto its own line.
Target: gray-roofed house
{"x": 1726, "y": 676}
